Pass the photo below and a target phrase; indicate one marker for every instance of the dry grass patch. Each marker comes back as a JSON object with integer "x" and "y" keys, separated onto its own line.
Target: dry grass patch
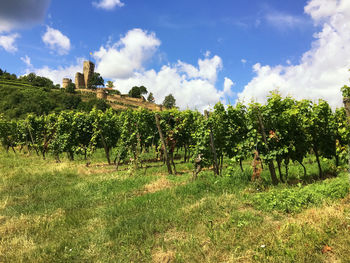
{"x": 173, "y": 235}
{"x": 95, "y": 170}
{"x": 15, "y": 240}
{"x": 195, "y": 205}
{"x": 156, "y": 186}
{"x": 160, "y": 256}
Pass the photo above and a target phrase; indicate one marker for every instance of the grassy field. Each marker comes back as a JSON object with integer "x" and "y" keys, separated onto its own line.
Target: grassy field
{"x": 67, "y": 212}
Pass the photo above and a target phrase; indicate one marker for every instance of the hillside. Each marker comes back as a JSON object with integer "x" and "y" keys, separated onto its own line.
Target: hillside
{"x": 17, "y": 99}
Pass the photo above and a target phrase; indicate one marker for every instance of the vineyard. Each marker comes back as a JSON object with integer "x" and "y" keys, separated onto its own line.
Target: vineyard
{"x": 282, "y": 131}
{"x": 177, "y": 186}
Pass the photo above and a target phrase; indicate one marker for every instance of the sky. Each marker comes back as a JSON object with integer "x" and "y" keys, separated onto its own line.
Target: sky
{"x": 200, "y": 51}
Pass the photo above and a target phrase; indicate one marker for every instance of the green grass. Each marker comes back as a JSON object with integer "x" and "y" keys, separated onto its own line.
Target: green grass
{"x": 68, "y": 212}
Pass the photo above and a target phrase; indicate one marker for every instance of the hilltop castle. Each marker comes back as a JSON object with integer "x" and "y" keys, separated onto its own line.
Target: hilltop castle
{"x": 116, "y": 101}
{"x": 81, "y": 79}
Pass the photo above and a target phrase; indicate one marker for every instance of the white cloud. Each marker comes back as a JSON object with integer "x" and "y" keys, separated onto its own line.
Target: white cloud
{"x": 108, "y": 4}
{"x": 282, "y": 20}
{"x": 228, "y": 84}
{"x": 243, "y": 61}
{"x": 192, "y": 86}
{"x": 207, "y": 68}
{"x": 56, "y": 75}
{"x": 322, "y": 70}
{"x": 322, "y": 9}
{"x": 56, "y": 41}
{"x": 26, "y": 60}
{"x": 7, "y": 42}
{"x": 126, "y": 56}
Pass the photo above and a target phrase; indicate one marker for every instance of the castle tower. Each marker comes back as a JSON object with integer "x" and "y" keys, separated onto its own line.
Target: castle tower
{"x": 66, "y": 82}
{"x": 79, "y": 81}
{"x": 89, "y": 68}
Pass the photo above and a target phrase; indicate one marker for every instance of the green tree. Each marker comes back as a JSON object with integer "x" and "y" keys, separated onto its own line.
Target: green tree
{"x": 38, "y": 81}
{"x": 70, "y": 88}
{"x": 150, "y": 97}
{"x": 110, "y": 84}
{"x": 169, "y": 101}
{"x": 96, "y": 81}
{"x": 137, "y": 92}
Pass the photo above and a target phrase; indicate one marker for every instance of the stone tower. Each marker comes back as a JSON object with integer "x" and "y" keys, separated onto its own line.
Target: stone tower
{"x": 88, "y": 71}
{"x": 79, "y": 81}
{"x": 66, "y": 82}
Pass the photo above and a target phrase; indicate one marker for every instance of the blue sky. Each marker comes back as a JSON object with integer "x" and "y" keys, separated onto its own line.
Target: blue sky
{"x": 201, "y": 51}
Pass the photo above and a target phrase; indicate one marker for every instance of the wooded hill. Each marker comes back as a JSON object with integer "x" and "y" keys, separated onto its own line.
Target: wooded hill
{"x": 18, "y": 99}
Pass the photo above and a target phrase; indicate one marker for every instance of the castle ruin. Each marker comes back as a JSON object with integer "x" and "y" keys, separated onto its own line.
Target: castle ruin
{"x": 116, "y": 101}
{"x": 81, "y": 79}
{"x": 88, "y": 71}
{"x": 66, "y": 82}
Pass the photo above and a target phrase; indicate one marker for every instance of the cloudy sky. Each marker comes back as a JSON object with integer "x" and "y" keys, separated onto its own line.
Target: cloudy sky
{"x": 201, "y": 51}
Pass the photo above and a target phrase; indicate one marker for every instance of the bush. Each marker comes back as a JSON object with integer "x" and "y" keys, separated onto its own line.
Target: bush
{"x": 294, "y": 199}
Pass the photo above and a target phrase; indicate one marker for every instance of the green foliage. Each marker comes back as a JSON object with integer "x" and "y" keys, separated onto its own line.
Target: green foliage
{"x": 19, "y": 99}
{"x": 88, "y": 105}
{"x": 37, "y": 81}
{"x": 110, "y": 84}
{"x": 7, "y": 76}
{"x": 137, "y": 92}
{"x": 150, "y": 97}
{"x": 70, "y": 88}
{"x": 95, "y": 81}
{"x": 294, "y": 199}
{"x": 169, "y": 102}
{"x": 345, "y": 91}
{"x": 112, "y": 92}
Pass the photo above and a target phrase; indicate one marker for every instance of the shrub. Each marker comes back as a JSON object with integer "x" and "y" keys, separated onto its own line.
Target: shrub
{"x": 294, "y": 199}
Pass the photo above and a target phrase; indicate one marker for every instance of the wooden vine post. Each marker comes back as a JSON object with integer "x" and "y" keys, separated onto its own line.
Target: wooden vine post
{"x": 263, "y": 134}
{"x": 170, "y": 171}
{"x": 31, "y": 137}
{"x": 212, "y": 146}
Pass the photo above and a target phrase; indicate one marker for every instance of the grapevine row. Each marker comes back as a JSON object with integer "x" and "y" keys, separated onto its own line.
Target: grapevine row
{"x": 283, "y": 130}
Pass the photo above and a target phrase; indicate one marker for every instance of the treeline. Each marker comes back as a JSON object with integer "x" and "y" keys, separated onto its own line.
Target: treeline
{"x": 18, "y": 101}
{"x": 283, "y": 130}
{"x": 31, "y": 79}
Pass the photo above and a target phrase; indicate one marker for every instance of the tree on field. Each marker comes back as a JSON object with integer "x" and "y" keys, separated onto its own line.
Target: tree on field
{"x": 169, "y": 101}
{"x": 150, "y": 97}
{"x": 137, "y": 92}
{"x": 70, "y": 88}
{"x": 96, "y": 81}
{"x": 110, "y": 84}
{"x": 38, "y": 81}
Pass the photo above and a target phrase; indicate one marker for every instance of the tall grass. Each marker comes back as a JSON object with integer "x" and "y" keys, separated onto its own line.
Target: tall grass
{"x": 68, "y": 212}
